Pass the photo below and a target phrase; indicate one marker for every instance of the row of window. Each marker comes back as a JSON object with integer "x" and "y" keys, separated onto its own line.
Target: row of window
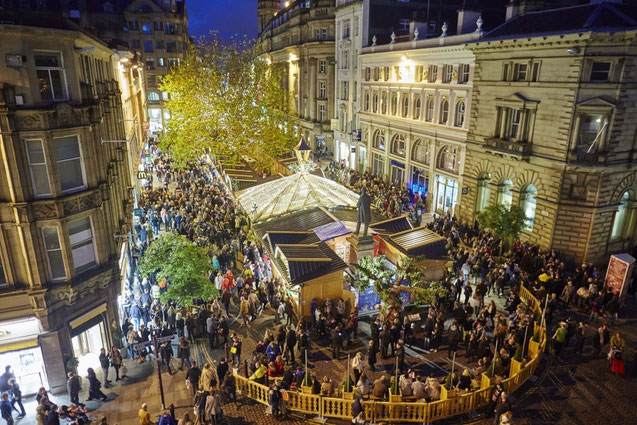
{"x": 504, "y": 196}
{"x": 421, "y": 73}
{"x": 443, "y": 110}
{"x": 150, "y": 45}
{"x": 69, "y": 165}
{"x": 169, "y": 28}
{"x": 595, "y": 71}
{"x": 448, "y": 155}
{"x": 153, "y": 97}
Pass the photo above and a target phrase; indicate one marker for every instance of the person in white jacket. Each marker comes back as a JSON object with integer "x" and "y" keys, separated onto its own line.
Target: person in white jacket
{"x": 213, "y": 407}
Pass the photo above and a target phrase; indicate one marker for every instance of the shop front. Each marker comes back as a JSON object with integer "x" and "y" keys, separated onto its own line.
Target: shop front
{"x": 88, "y": 335}
{"x": 19, "y": 349}
{"x": 446, "y": 194}
{"x": 419, "y": 181}
{"x": 397, "y": 173}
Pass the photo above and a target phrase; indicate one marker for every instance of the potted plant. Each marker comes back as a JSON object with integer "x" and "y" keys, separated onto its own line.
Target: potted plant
{"x": 488, "y": 377}
{"x": 534, "y": 344}
{"x": 306, "y": 385}
{"x": 447, "y": 390}
{"x": 516, "y": 361}
{"x": 348, "y": 389}
{"x": 117, "y": 337}
{"x": 71, "y": 363}
{"x": 394, "y": 392}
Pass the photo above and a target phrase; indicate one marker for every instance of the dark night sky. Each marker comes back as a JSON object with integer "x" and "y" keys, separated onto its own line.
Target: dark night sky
{"x": 229, "y": 17}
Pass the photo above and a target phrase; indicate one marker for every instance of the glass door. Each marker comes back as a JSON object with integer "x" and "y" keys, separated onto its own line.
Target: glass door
{"x": 447, "y": 194}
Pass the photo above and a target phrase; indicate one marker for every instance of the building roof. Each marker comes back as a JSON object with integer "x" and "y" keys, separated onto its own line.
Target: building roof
{"x": 289, "y": 194}
{"x": 392, "y": 225}
{"x": 420, "y": 241}
{"x": 274, "y": 238}
{"x": 599, "y": 17}
{"x": 304, "y": 262}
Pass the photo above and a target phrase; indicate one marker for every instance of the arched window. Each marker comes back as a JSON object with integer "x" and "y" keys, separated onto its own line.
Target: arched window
{"x": 341, "y": 120}
{"x": 624, "y": 221}
{"x": 484, "y": 192}
{"x": 420, "y": 152}
{"x": 460, "y": 108}
{"x": 398, "y": 145}
{"x": 153, "y": 97}
{"x": 529, "y": 205}
{"x": 379, "y": 140}
{"x": 405, "y": 105}
{"x": 375, "y": 103}
{"x": 394, "y": 104}
{"x": 383, "y": 104}
{"x": 448, "y": 159}
{"x": 367, "y": 101}
{"x": 430, "y": 109}
{"x": 505, "y": 192}
{"x": 417, "y": 108}
{"x": 444, "y": 111}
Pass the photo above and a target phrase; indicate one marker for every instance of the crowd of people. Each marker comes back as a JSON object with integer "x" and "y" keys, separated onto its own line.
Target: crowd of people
{"x": 390, "y": 199}
{"x": 195, "y": 203}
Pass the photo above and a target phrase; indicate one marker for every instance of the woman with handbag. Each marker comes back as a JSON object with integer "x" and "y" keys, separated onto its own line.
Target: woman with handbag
{"x": 116, "y": 361}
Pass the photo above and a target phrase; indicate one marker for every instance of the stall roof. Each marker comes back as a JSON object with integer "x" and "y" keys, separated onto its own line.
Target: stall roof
{"x": 299, "y": 191}
{"x": 392, "y": 225}
{"x": 307, "y": 262}
{"x": 289, "y": 237}
{"x": 420, "y": 241}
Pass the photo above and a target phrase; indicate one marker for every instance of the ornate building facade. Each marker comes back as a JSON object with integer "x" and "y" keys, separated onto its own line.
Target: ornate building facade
{"x": 65, "y": 198}
{"x": 552, "y": 127}
{"x": 415, "y": 103}
{"x": 300, "y": 39}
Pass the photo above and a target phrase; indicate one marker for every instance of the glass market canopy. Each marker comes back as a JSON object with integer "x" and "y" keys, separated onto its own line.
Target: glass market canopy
{"x": 293, "y": 193}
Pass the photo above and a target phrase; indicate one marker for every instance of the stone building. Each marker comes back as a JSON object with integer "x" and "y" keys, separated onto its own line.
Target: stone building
{"x": 156, "y": 30}
{"x": 416, "y": 97}
{"x": 552, "y": 127}
{"x": 65, "y": 198}
{"x": 299, "y": 39}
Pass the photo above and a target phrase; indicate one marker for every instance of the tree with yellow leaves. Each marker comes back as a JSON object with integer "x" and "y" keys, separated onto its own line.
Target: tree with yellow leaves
{"x": 226, "y": 101}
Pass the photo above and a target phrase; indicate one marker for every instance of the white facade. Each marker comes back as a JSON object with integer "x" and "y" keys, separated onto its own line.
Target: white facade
{"x": 349, "y": 43}
{"x": 415, "y": 103}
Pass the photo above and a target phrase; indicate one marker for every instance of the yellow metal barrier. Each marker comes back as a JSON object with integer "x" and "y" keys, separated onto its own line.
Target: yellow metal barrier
{"x": 404, "y": 412}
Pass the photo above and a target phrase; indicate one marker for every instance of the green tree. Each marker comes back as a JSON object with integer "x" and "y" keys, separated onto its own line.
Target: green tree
{"x": 184, "y": 264}
{"x": 505, "y": 221}
{"x": 227, "y": 101}
{"x": 387, "y": 281}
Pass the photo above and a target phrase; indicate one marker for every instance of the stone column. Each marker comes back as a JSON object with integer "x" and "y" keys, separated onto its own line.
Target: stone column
{"x": 53, "y": 361}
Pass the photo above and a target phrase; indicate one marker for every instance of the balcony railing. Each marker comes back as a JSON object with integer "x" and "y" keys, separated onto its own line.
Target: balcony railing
{"x": 520, "y": 149}
{"x": 581, "y": 156}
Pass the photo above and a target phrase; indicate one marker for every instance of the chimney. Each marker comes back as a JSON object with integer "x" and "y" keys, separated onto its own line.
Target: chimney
{"x": 467, "y": 18}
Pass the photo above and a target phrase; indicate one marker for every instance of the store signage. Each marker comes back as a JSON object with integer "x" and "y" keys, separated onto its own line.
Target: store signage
{"x": 142, "y": 175}
{"x": 356, "y": 135}
{"x": 620, "y": 270}
{"x": 138, "y": 212}
{"x": 465, "y": 190}
{"x": 397, "y": 164}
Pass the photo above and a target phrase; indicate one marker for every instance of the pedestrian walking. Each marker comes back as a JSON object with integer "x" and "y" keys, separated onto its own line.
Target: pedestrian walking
{"x": 192, "y": 377}
{"x": 5, "y": 409}
{"x": 73, "y": 387}
{"x": 116, "y": 361}
{"x": 94, "y": 386}
{"x": 183, "y": 353}
{"x": 166, "y": 354}
{"x": 144, "y": 415}
{"x": 105, "y": 363}
{"x": 15, "y": 395}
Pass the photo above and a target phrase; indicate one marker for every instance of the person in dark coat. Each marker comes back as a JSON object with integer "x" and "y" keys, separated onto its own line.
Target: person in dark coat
{"x": 222, "y": 368}
{"x": 385, "y": 340}
{"x": 337, "y": 342}
{"x": 372, "y": 351}
{"x": 192, "y": 375}
{"x": 73, "y": 387}
{"x": 94, "y": 385}
{"x": 290, "y": 342}
{"x": 166, "y": 354}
